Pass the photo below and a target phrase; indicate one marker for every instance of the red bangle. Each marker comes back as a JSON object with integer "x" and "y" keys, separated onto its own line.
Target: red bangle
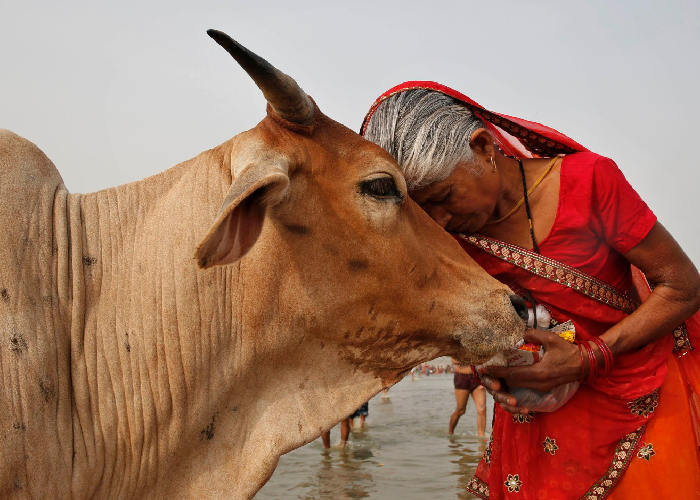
{"x": 593, "y": 371}
{"x": 583, "y": 362}
{"x": 594, "y": 360}
{"x": 606, "y": 352}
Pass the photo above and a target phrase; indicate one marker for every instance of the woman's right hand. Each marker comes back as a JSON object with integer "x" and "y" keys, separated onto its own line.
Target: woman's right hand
{"x": 507, "y": 401}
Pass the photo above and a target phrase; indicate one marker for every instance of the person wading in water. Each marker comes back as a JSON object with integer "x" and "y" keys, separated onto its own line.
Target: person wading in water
{"x": 467, "y": 383}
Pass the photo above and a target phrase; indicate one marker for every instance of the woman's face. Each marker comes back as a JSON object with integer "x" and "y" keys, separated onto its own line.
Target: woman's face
{"x": 464, "y": 201}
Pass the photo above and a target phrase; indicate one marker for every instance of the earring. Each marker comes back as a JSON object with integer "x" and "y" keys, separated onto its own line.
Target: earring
{"x": 494, "y": 165}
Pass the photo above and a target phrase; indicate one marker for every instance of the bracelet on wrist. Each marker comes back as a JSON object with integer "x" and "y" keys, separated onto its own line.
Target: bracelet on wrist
{"x": 583, "y": 362}
{"x": 587, "y": 353}
{"x": 606, "y": 353}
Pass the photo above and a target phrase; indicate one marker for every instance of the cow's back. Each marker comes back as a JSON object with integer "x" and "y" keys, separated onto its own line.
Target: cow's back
{"x": 35, "y": 429}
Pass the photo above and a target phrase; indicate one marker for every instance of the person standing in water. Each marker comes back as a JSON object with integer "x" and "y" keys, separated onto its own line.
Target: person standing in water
{"x": 467, "y": 383}
{"x": 361, "y": 412}
{"x": 346, "y": 426}
{"x": 344, "y": 433}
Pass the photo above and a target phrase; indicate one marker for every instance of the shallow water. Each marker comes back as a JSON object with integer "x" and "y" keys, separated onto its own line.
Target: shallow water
{"x": 403, "y": 451}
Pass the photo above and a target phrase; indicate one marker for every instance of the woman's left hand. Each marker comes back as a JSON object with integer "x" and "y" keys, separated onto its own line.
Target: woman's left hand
{"x": 500, "y": 395}
{"x": 560, "y": 364}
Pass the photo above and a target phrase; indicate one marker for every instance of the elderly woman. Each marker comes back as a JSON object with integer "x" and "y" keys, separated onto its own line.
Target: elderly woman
{"x": 561, "y": 226}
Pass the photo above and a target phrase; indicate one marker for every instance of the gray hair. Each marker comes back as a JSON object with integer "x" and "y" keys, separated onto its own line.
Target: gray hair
{"x": 427, "y": 133}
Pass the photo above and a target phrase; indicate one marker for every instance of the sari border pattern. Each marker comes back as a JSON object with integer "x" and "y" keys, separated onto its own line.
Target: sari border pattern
{"x": 478, "y": 488}
{"x": 538, "y": 144}
{"x": 487, "y": 452}
{"x": 553, "y": 270}
{"x": 624, "y": 452}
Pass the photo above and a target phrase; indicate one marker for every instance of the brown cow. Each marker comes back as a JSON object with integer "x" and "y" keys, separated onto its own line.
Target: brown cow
{"x": 129, "y": 371}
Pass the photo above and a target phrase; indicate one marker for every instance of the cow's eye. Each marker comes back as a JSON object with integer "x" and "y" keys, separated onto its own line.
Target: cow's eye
{"x": 382, "y": 188}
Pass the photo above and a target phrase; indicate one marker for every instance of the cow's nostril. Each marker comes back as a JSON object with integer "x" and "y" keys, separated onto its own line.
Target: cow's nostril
{"x": 520, "y": 306}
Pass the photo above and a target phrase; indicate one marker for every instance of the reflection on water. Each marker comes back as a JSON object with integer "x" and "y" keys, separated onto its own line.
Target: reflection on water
{"x": 465, "y": 459}
{"x": 403, "y": 451}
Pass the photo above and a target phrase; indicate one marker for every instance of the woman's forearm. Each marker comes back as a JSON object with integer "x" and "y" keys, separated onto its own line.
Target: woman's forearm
{"x": 664, "y": 310}
{"x": 675, "y": 295}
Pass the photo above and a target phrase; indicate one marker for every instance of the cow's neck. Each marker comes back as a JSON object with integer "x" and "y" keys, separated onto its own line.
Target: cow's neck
{"x": 151, "y": 327}
{"x": 185, "y": 378}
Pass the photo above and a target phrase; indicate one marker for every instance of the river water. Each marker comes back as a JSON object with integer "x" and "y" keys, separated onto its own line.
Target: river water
{"x": 403, "y": 452}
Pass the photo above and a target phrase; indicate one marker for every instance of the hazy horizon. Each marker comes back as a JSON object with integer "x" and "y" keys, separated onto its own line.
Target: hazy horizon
{"x": 115, "y": 93}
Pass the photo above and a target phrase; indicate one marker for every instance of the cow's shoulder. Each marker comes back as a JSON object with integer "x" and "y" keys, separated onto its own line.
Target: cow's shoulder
{"x": 21, "y": 158}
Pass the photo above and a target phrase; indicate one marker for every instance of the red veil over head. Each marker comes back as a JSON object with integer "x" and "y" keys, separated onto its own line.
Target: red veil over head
{"x": 515, "y": 136}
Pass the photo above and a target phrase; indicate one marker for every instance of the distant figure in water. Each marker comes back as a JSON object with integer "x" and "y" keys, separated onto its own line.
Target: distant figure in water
{"x": 346, "y": 425}
{"x": 344, "y": 433}
{"x": 361, "y": 412}
{"x": 465, "y": 383}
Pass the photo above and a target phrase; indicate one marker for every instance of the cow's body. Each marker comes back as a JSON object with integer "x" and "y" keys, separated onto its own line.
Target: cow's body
{"x": 126, "y": 370}
{"x": 36, "y": 438}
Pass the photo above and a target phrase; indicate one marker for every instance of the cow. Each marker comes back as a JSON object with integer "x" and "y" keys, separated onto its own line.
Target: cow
{"x": 173, "y": 337}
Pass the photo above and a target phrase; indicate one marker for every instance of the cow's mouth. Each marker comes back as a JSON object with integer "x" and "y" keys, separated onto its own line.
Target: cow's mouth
{"x": 520, "y": 306}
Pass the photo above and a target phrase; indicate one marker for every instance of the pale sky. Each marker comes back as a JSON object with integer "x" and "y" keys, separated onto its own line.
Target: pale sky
{"x": 115, "y": 91}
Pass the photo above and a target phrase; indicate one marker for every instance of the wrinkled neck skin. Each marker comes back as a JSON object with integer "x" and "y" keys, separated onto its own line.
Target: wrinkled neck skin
{"x": 189, "y": 382}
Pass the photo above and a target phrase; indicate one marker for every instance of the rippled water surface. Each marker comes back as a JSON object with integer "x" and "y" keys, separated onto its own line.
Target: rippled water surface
{"x": 403, "y": 452}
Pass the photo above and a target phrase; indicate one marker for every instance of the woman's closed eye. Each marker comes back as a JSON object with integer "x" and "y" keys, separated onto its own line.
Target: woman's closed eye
{"x": 442, "y": 197}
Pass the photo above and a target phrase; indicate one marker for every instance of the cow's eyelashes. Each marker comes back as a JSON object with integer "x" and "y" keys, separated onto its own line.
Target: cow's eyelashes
{"x": 382, "y": 188}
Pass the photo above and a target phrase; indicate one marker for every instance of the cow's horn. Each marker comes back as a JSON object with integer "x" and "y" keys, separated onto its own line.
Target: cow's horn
{"x": 281, "y": 91}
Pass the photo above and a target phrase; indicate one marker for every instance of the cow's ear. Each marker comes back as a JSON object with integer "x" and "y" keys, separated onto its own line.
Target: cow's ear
{"x": 240, "y": 219}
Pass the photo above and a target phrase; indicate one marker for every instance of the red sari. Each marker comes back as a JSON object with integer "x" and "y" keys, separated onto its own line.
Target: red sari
{"x": 608, "y": 430}
{"x": 583, "y": 449}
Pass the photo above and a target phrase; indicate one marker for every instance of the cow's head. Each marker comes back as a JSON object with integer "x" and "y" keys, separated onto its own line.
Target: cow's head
{"x": 357, "y": 263}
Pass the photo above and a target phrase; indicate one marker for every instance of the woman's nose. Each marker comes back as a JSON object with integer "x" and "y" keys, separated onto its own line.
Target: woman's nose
{"x": 520, "y": 306}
